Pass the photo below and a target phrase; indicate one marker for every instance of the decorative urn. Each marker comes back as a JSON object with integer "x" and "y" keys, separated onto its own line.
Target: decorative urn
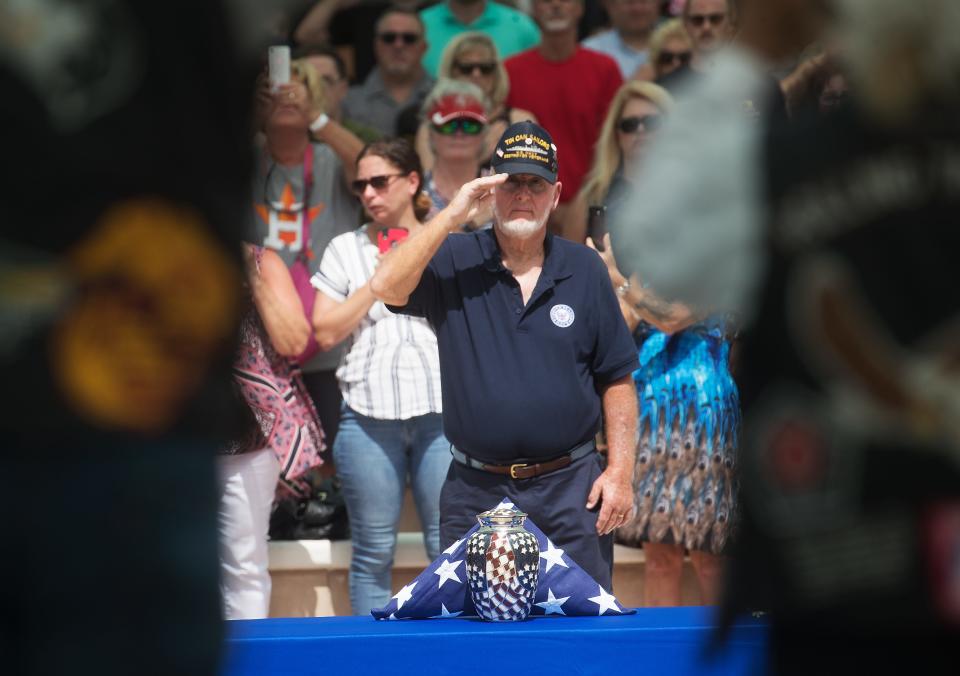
{"x": 503, "y": 562}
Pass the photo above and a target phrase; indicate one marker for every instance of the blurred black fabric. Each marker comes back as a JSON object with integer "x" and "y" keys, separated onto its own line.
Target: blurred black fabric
{"x": 109, "y": 555}
{"x": 839, "y": 528}
{"x": 182, "y": 135}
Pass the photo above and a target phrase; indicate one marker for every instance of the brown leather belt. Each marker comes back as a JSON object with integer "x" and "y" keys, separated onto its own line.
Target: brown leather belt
{"x": 526, "y": 470}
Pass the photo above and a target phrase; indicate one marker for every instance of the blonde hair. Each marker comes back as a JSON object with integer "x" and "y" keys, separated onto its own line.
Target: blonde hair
{"x": 607, "y": 157}
{"x": 669, "y": 29}
{"x": 305, "y": 72}
{"x": 472, "y": 40}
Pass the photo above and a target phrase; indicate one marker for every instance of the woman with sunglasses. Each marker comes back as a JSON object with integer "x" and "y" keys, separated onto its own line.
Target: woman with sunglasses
{"x": 301, "y": 200}
{"x": 634, "y": 114}
{"x": 390, "y": 427}
{"x": 473, "y": 57}
{"x": 455, "y": 113}
{"x": 670, "y": 50}
{"x": 684, "y": 484}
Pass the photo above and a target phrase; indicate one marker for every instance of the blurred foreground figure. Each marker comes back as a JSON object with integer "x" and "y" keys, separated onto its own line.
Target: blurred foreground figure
{"x": 119, "y": 285}
{"x": 836, "y": 237}
{"x": 850, "y": 378}
{"x": 691, "y": 228}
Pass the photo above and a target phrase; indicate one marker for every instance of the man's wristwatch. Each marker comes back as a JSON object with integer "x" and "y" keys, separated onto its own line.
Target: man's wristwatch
{"x": 319, "y": 123}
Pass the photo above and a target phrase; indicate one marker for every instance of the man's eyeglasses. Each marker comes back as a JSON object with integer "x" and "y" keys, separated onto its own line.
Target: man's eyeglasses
{"x": 377, "y": 182}
{"x": 697, "y": 20}
{"x": 534, "y": 184}
{"x": 668, "y": 58}
{"x": 631, "y": 125}
{"x": 468, "y": 126}
{"x": 466, "y": 69}
{"x": 392, "y": 37}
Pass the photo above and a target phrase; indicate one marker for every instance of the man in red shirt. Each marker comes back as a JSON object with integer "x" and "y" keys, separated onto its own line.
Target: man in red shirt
{"x": 567, "y": 87}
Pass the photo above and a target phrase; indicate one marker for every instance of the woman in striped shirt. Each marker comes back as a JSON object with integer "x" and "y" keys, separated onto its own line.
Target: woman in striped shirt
{"x": 389, "y": 377}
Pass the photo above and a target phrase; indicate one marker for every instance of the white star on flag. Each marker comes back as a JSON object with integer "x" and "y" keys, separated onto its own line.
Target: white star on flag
{"x": 405, "y": 594}
{"x": 552, "y": 604}
{"x": 448, "y": 571}
{"x": 605, "y": 601}
{"x": 554, "y": 556}
{"x": 452, "y": 548}
{"x": 445, "y": 613}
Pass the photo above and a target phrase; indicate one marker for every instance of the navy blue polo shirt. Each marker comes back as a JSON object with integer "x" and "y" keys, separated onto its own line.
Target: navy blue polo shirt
{"x": 521, "y": 381}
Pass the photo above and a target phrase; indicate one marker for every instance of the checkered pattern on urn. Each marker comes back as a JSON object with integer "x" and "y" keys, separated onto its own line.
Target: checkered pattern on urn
{"x": 500, "y": 561}
{"x": 508, "y": 594}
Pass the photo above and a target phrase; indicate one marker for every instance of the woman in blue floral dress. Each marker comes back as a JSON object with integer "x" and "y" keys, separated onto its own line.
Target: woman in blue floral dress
{"x": 685, "y": 483}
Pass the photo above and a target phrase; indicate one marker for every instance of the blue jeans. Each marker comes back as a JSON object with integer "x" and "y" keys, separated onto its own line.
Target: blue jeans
{"x": 373, "y": 459}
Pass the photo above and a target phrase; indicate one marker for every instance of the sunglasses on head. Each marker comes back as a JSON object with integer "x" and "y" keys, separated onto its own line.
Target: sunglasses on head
{"x": 392, "y": 37}
{"x": 377, "y": 182}
{"x": 631, "y": 125}
{"x": 667, "y": 58}
{"x": 713, "y": 19}
{"x": 468, "y": 126}
{"x": 485, "y": 67}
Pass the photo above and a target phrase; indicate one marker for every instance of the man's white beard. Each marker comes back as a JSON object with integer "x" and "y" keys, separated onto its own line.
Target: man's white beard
{"x": 521, "y": 227}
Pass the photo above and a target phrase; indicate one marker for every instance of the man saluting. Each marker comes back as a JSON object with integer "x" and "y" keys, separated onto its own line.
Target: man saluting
{"x": 531, "y": 342}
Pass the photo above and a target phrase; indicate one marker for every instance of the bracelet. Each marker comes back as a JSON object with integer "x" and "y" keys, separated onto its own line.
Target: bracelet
{"x": 320, "y": 122}
{"x": 622, "y": 291}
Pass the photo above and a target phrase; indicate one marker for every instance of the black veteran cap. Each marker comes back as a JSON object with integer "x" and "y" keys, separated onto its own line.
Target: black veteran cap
{"x": 526, "y": 148}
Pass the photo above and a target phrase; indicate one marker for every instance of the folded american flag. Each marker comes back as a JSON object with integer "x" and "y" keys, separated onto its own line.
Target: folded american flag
{"x": 441, "y": 591}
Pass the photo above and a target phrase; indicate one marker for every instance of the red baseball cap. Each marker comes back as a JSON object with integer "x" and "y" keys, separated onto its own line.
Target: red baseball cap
{"x": 452, "y": 106}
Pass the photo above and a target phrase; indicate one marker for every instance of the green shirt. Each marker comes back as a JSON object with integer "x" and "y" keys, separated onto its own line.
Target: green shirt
{"x": 511, "y": 31}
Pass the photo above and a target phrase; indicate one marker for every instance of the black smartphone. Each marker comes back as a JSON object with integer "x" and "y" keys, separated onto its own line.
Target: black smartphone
{"x": 597, "y": 225}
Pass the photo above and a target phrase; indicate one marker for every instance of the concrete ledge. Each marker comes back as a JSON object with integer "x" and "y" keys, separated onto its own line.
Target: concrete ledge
{"x": 291, "y": 555}
{"x": 310, "y": 577}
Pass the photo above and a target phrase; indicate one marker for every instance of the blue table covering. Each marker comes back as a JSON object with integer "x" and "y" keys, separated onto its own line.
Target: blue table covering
{"x": 654, "y": 641}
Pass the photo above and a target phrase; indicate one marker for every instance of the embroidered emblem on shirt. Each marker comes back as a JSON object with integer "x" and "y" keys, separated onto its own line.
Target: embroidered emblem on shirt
{"x": 562, "y": 315}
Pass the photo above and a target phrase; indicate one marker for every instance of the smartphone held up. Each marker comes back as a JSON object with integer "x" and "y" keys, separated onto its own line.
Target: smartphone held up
{"x": 278, "y": 65}
{"x": 597, "y": 225}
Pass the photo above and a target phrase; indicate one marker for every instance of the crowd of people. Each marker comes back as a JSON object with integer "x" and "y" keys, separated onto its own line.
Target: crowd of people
{"x": 348, "y": 172}
{"x": 678, "y": 274}
{"x": 524, "y": 133}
